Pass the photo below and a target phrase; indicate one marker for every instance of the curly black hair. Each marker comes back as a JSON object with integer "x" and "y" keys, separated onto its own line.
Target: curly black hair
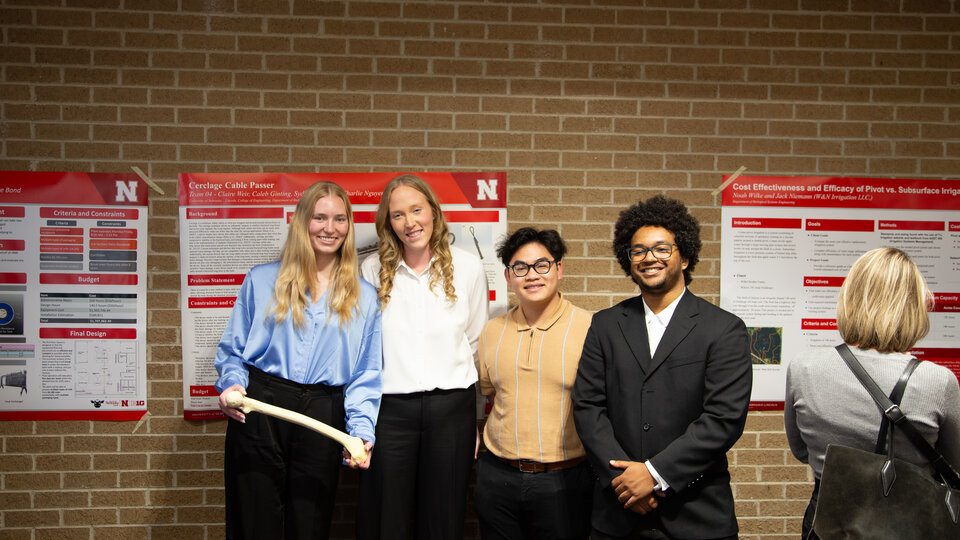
{"x": 523, "y": 236}
{"x": 659, "y": 211}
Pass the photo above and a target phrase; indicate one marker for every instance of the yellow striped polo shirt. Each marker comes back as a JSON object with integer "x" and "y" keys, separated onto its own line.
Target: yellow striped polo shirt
{"x": 530, "y": 373}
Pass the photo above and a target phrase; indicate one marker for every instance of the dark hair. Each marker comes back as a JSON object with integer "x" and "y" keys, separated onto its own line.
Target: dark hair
{"x": 659, "y": 211}
{"x": 525, "y": 235}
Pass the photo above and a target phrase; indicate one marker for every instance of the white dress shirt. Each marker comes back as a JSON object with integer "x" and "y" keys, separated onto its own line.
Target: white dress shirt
{"x": 429, "y": 343}
{"x": 656, "y": 326}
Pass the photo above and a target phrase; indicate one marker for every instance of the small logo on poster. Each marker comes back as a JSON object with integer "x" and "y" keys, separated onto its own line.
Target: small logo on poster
{"x": 486, "y": 190}
{"x": 96, "y": 403}
{"x": 126, "y": 191}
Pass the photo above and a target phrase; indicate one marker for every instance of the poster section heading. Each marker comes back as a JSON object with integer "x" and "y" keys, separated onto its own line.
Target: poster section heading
{"x": 783, "y": 267}
{"x": 840, "y": 192}
{"x": 72, "y": 296}
{"x": 232, "y": 222}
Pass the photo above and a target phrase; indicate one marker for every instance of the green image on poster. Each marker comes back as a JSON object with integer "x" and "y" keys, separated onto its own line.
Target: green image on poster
{"x": 765, "y": 345}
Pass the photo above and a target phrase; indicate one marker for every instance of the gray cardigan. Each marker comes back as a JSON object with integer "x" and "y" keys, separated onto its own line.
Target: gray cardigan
{"x": 825, "y": 403}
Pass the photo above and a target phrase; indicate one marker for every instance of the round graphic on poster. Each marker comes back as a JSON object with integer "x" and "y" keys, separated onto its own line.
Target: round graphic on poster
{"x": 6, "y": 313}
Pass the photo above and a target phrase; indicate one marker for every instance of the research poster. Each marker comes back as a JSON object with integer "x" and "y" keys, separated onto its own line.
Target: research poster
{"x": 231, "y": 222}
{"x": 789, "y": 242}
{"x": 72, "y": 296}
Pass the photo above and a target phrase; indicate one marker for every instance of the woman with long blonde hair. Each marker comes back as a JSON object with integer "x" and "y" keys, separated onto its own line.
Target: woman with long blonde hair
{"x": 304, "y": 335}
{"x": 434, "y": 300}
{"x": 881, "y": 315}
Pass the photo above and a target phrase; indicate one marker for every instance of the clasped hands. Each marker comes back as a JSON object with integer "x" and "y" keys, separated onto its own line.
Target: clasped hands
{"x": 635, "y": 486}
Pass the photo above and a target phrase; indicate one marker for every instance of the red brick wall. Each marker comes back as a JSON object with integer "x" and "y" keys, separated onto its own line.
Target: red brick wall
{"x": 588, "y": 106}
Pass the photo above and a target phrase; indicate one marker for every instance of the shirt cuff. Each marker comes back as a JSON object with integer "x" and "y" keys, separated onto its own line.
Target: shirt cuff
{"x": 662, "y": 484}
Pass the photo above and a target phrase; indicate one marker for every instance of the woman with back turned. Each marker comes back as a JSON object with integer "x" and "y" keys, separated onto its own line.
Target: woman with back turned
{"x": 881, "y": 315}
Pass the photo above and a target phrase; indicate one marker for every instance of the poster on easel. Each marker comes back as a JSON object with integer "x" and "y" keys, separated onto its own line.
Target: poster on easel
{"x": 232, "y": 222}
{"x": 73, "y": 253}
{"x": 788, "y": 243}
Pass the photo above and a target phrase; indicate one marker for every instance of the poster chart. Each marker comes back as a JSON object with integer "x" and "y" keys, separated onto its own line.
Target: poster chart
{"x": 231, "y": 222}
{"x": 73, "y": 257}
{"x": 788, "y": 244}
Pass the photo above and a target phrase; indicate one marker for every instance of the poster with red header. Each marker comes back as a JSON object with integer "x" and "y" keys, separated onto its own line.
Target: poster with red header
{"x": 789, "y": 242}
{"x": 72, "y": 296}
{"x": 231, "y": 222}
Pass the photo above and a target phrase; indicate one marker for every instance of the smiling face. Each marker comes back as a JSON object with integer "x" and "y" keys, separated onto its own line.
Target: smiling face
{"x": 411, "y": 218}
{"x": 663, "y": 278}
{"x": 533, "y": 288}
{"x": 329, "y": 226}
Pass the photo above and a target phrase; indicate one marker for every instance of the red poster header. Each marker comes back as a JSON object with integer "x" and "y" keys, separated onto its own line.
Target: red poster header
{"x": 88, "y": 279}
{"x": 198, "y": 280}
{"x": 88, "y": 333}
{"x": 12, "y": 245}
{"x": 73, "y": 188}
{"x": 13, "y": 277}
{"x": 818, "y": 324}
{"x": 478, "y": 190}
{"x": 211, "y": 302}
{"x": 884, "y": 224}
{"x": 89, "y": 213}
{"x": 946, "y": 303}
{"x": 12, "y": 211}
{"x": 822, "y": 281}
{"x": 767, "y": 223}
{"x": 235, "y": 213}
{"x": 840, "y": 192}
{"x": 843, "y": 225}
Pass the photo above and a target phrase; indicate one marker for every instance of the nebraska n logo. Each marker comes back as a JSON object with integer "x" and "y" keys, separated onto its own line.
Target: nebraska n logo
{"x": 126, "y": 191}
{"x": 487, "y": 189}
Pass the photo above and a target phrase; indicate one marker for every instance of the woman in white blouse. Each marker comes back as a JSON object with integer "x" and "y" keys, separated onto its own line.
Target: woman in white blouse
{"x": 434, "y": 302}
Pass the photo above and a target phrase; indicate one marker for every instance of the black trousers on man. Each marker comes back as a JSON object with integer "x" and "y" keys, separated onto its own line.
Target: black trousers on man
{"x": 549, "y": 505}
{"x": 416, "y": 486}
{"x": 280, "y": 478}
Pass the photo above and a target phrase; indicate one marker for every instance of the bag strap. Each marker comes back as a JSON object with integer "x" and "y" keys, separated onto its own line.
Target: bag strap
{"x": 896, "y": 397}
{"x": 896, "y": 416}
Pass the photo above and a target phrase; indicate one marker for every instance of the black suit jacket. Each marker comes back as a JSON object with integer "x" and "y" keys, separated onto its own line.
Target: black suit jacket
{"x": 681, "y": 410}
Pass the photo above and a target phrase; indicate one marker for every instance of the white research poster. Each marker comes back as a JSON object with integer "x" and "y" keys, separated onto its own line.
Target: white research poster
{"x": 788, "y": 243}
{"x": 73, "y": 257}
{"x": 231, "y": 222}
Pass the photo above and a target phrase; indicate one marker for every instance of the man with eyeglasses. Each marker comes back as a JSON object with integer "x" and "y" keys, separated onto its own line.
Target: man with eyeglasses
{"x": 662, "y": 389}
{"x": 534, "y": 481}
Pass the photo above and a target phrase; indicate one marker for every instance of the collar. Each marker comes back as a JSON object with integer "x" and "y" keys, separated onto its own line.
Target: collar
{"x": 667, "y": 313}
{"x": 523, "y": 325}
{"x": 406, "y": 268}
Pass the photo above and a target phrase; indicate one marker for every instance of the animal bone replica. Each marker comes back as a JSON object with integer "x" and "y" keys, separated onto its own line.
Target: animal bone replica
{"x": 354, "y": 445}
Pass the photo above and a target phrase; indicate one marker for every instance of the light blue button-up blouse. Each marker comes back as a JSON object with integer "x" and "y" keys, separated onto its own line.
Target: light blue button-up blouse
{"x": 322, "y": 352}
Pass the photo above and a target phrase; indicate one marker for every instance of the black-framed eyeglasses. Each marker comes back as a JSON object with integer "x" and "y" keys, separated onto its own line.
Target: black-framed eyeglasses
{"x": 659, "y": 251}
{"x": 540, "y": 266}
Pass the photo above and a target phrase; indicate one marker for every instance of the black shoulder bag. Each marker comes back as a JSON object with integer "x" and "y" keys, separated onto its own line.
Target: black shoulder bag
{"x": 876, "y": 496}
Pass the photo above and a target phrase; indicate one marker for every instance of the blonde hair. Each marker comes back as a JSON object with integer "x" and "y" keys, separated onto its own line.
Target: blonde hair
{"x": 883, "y": 302}
{"x": 298, "y": 263}
{"x": 390, "y": 248}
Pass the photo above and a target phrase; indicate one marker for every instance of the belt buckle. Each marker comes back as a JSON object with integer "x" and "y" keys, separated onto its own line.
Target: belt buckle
{"x": 524, "y": 463}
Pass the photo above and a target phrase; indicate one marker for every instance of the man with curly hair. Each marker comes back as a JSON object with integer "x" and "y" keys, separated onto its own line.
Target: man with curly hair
{"x": 662, "y": 389}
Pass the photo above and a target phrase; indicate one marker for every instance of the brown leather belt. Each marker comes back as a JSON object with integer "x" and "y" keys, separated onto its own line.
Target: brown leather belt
{"x": 528, "y": 466}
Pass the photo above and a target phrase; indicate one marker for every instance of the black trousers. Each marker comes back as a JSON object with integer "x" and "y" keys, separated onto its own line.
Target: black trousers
{"x": 280, "y": 479}
{"x": 806, "y": 531}
{"x": 416, "y": 486}
{"x": 552, "y": 505}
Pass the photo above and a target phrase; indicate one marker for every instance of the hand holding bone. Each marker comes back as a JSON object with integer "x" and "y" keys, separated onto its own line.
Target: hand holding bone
{"x": 354, "y": 445}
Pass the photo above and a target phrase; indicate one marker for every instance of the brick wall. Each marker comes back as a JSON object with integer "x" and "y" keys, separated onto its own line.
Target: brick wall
{"x": 588, "y": 106}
